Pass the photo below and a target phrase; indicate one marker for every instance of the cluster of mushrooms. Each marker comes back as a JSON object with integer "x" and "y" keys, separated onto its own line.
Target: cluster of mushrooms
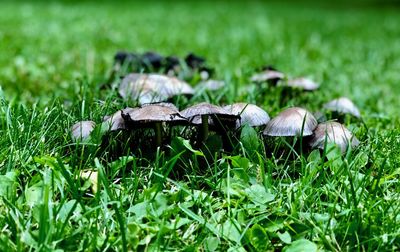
{"x": 152, "y": 91}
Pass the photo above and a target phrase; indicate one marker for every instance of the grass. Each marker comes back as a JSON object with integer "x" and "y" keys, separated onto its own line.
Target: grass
{"x": 55, "y": 55}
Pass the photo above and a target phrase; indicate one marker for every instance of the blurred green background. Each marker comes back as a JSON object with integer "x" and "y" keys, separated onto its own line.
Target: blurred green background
{"x": 49, "y": 47}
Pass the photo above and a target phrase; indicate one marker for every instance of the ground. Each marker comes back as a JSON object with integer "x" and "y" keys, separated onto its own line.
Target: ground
{"x": 55, "y": 55}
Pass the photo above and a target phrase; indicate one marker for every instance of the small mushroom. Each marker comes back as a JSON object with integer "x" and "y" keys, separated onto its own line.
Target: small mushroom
{"x": 206, "y": 114}
{"x": 269, "y": 74}
{"x": 115, "y": 121}
{"x": 211, "y": 85}
{"x": 301, "y": 83}
{"x": 153, "y": 116}
{"x": 152, "y": 60}
{"x": 148, "y": 88}
{"x": 198, "y": 63}
{"x": 291, "y": 122}
{"x": 172, "y": 65}
{"x": 194, "y": 61}
{"x": 121, "y": 58}
{"x": 343, "y": 105}
{"x": 80, "y": 131}
{"x": 333, "y": 132}
{"x": 249, "y": 114}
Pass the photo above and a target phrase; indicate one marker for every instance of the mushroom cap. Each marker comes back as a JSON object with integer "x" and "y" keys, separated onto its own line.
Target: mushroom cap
{"x": 302, "y": 83}
{"x": 153, "y": 113}
{"x": 194, "y": 61}
{"x": 267, "y": 75}
{"x": 163, "y": 104}
{"x": 81, "y": 130}
{"x": 115, "y": 121}
{"x": 203, "y": 108}
{"x": 194, "y": 113}
{"x": 333, "y": 132}
{"x": 291, "y": 122}
{"x": 152, "y": 59}
{"x": 249, "y": 114}
{"x": 148, "y": 88}
{"x": 343, "y": 105}
{"x": 211, "y": 85}
{"x": 122, "y": 57}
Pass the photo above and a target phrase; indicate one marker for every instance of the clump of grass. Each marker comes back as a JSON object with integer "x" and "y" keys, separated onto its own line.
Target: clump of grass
{"x": 239, "y": 201}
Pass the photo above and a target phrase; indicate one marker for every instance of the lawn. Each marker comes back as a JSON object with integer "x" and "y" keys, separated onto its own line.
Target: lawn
{"x": 54, "y": 58}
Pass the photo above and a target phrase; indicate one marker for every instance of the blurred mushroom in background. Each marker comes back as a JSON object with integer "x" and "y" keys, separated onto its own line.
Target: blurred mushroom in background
{"x": 149, "y": 88}
{"x": 343, "y": 105}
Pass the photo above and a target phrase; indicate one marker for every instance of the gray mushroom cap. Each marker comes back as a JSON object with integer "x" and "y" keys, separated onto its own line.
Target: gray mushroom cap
{"x": 267, "y": 75}
{"x": 163, "y": 104}
{"x": 249, "y": 114}
{"x": 153, "y": 113}
{"x": 343, "y": 105}
{"x": 302, "y": 83}
{"x": 291, "y": 122}
{"x": 115, "y": 121}
{"x": 81, "y": 130}
{"x": 333, "y": 132}
{"x": 211, "y": 85}
{"x": 148, "y": 88}
{"x": 194, "y": 113}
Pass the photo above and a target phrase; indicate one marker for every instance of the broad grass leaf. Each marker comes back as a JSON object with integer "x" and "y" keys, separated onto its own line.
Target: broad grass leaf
{"x": 230, "y": 230}
{"x": 301, "y": 245}
{"x": 180, "y": 144}
{"x": 211, "y": 244}
{"x": 250, "y": 139}
{"x": 258, "y": 194}
{"x": 8, "y": 184}
{"x": 33, "y": 195}
{"x": 258, "y": 238}
{"x": 285, "y": 237}
{"x": 66, "y": 209}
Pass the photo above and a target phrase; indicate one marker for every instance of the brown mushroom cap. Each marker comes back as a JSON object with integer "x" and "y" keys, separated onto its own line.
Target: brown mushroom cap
{"x": 343, "y": 105}
{"x": 291, "y": 122}
{"x": 267, "y": 75}
{"x": 194, "y": 113}
{"x": 81, "y": 130}
{"x": 249, "y": 114}
{"x": 153, "y": 113}
{"x": 115, "y": 121}
{"x": 148, "y": 88}
{"x": 335, "y": 133}
{"x": 302, "y": 83}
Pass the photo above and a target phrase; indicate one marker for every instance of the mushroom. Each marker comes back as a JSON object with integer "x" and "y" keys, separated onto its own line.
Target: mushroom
{"x": 148, "y": 88}
{"x": 194, "y": 61}
{"x": 153, "y": 116}
{"x": 343, "y": 105}
{"x": 198, "y": 63}
{"x": 301, "y": 83}
{"x": 249, "y": 114}
{"x": 121, "y": 58}
{"x": 269, "y": 74}
{"x": 115, "y": 121}
{"x": 291, "y": 122}
{"x": 333, "y": 132}
{"x": 172, "y": 65}
{"x": 199, "y": 114}
{"x": 81, "y": 130}
{"x": 211, "y": 85}
{"x": 152, "y": 61}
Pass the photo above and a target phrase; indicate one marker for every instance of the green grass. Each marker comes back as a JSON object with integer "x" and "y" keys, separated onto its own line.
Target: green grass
{"x": 55, "y": 55}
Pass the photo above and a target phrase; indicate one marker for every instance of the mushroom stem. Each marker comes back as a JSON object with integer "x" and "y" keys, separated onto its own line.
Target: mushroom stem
{"x": 204, "y": 128}
{"x": 158, "y": 131}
